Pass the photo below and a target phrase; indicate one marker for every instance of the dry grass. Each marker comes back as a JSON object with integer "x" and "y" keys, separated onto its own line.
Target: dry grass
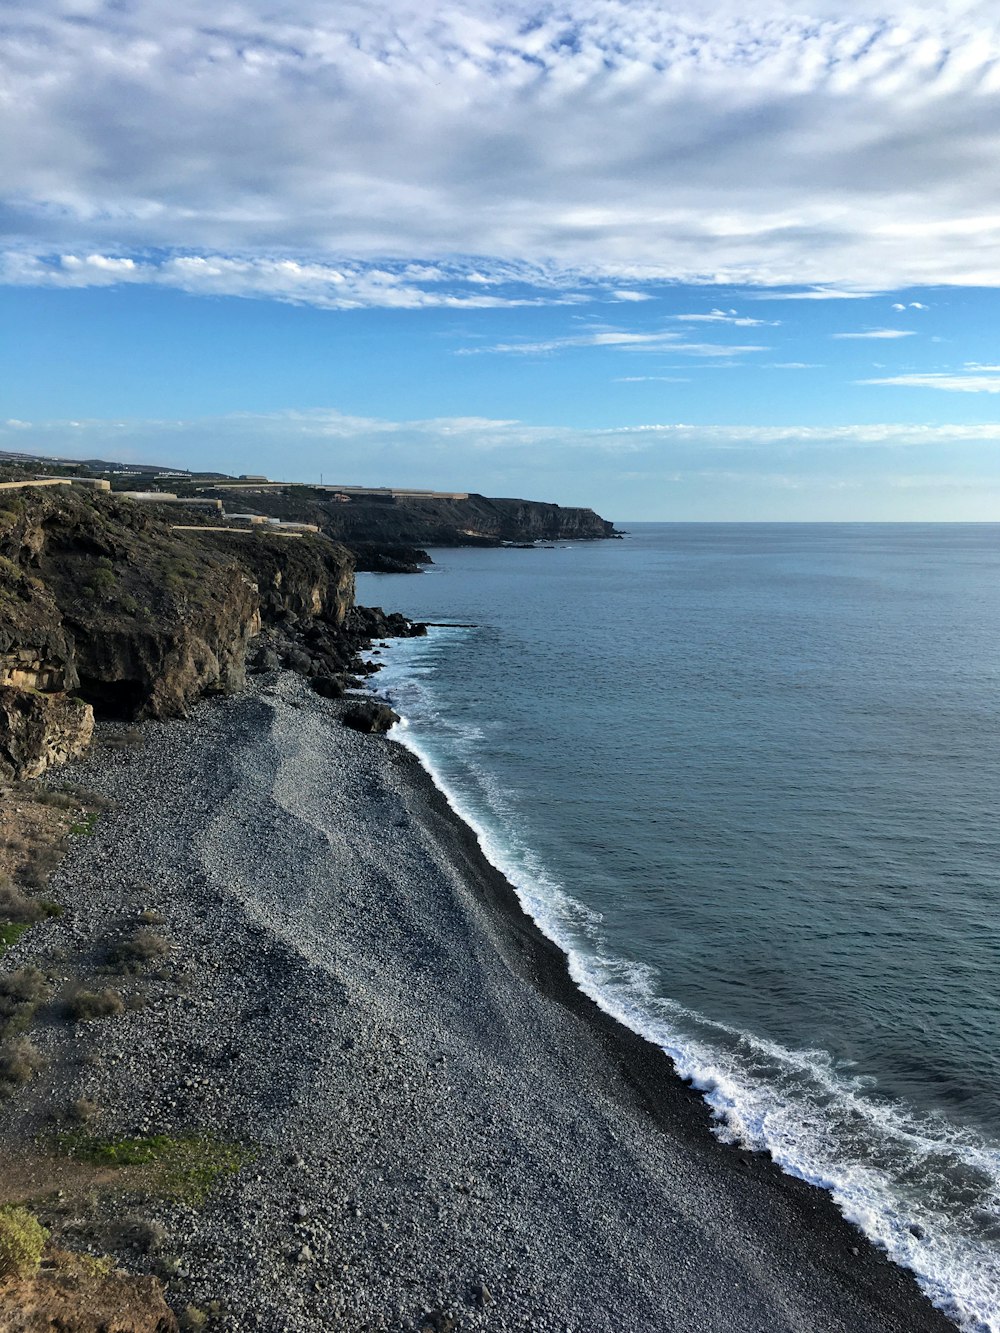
{"x": 87, "y": 1005}
{"x": 82, "y": 1291}
{"x": 19, "y": 1063}
{"x": 21, "y": 993}
{"x": 140, "y": 949}
{"x": 83, "y": 1111}
{"x": 35, "y": 822}
{"x": 17, "y": 908}
{"x": 122, "y": 740}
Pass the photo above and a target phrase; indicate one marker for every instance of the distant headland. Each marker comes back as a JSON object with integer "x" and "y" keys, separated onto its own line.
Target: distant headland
{"x": 387, "y": 528}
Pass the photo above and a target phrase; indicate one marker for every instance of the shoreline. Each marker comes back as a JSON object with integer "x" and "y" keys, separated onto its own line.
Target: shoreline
{"x": 448, "y": 1133}
{"x": 647, "y": 1074}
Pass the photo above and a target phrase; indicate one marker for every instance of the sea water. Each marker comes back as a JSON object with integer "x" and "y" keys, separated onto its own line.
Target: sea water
{"x": 748, "y": 777}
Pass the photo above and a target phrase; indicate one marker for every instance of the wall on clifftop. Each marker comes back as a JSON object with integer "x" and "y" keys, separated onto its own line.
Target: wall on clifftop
{"x": 104, "y": 605}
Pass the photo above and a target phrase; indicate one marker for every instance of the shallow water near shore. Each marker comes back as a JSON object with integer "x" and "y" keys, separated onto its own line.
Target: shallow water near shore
{"x": 747, "y": 777}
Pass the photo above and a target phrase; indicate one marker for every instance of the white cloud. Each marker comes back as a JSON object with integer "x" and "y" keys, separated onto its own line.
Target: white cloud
{"x": 815, "y": 294}
{"x": 235, "y": 432}
{"x": 404, "y": 286}
{"x": 727, "y": 317}
{"x": 958, "y": 382}
{"x": 617, "y": 339}
{"x": 610, "y": 138}
{"x": 878, "y": 334}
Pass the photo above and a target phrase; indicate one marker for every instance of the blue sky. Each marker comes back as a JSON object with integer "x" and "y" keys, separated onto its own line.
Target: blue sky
{"x": 688, "y": 266}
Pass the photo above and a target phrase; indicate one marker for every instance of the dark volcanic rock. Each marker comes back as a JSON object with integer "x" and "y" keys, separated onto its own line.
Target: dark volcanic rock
{"x": 101, "y": 598}
{"x": 329, "y": 687}
{"x": 388, "y": 559}
{"x": 297, "y": 660}
{"x": 266, "y": 659}
{"x": 157, "y": 617}
{"x": 371, "y": 622}
{"x": 370, "y": 716}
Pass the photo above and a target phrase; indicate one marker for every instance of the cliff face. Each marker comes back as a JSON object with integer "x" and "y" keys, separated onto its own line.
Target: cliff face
{"x": 103, "y": 605}
{"x": 380, "y": 524}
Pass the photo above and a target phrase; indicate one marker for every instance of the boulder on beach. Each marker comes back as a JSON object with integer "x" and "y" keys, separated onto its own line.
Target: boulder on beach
{"x": 370, "y": 716}
{"x": 328, "y": 687}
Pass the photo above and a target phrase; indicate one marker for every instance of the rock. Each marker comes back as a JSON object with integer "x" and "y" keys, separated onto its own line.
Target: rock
{"x": 438, "y": 1321}
{"x": 108, "y": 599}
{"x": 38, "y": 730}
{"x": 371, "y": 622}
{"x": 370, "y": 717}
{"x": 328, "y": 687}
{"x": 266, "y": 660}
{"x": 298, "y": 660}
{"x": 481, "y": 1295}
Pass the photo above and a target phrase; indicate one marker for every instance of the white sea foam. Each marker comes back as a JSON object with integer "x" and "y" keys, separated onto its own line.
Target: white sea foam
{"x": 925, "y": 1190}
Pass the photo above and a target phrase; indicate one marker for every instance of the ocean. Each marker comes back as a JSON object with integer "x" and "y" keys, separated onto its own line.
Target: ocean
{"x": 748, "y": 777}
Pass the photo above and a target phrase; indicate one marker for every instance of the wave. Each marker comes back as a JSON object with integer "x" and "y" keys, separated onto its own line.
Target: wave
{"x": 925, "y": 1190}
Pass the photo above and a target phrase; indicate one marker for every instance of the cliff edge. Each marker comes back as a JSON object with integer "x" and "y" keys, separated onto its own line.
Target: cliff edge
{"x": 104, "y": 605}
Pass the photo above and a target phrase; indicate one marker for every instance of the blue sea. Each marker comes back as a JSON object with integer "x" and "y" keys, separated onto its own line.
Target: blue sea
{"x": 748, "y": 777}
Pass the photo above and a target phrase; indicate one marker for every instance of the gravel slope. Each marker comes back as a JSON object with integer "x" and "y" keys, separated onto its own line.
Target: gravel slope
{"x": 449, "y": 1136}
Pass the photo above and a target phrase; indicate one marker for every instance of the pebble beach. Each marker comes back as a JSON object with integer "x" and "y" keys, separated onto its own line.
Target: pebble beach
{"x": 441, "y": 1132}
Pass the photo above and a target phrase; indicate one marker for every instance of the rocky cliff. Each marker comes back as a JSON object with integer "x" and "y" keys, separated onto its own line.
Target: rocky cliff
{"x": 377, "y": 526}
{"x": 104, "y": 606}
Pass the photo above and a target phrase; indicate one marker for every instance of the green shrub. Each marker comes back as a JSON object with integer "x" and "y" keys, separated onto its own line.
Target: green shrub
{"x": 18, "y": 912}
{"x": 22, "y": 1239}
{"x": 10, "y": 933}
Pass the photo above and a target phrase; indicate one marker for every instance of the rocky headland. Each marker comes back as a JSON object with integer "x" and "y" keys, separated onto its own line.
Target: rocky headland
{"x": 381, "y": 527}
{"x": 108, "y": 605}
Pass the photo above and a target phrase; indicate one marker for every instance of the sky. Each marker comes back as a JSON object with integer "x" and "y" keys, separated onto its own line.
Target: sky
{"x": 684, "y": 265}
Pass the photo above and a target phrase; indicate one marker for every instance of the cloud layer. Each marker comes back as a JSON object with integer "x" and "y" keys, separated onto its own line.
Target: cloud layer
{"x": 312, "y": 152}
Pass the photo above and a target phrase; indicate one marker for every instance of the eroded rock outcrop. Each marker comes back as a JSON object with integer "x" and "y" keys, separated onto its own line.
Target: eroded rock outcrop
{"x": 105, "y": 606}
{"x": 38, "y": 730}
